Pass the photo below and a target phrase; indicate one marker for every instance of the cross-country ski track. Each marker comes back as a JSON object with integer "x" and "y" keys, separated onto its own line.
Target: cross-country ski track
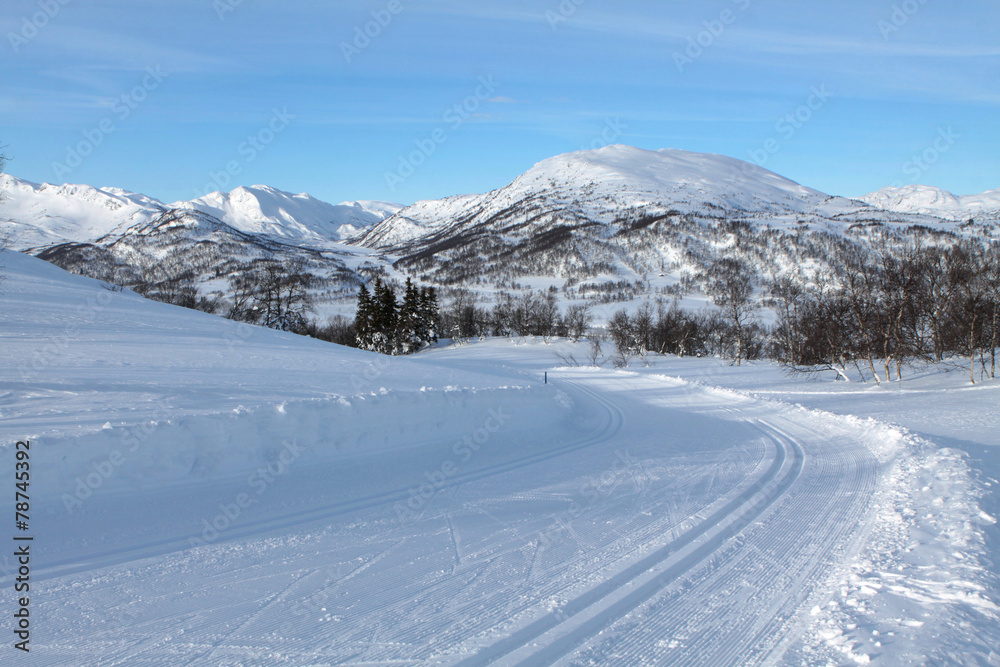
{"x": 677, "y": 524}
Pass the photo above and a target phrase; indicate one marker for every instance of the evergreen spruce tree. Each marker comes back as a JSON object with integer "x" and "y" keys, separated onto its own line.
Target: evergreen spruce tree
{"x": 429, "y": 316}
{"x": 384, "y": 319}
{"x": 363, "y": 319}
{"x": 408, "y": 329}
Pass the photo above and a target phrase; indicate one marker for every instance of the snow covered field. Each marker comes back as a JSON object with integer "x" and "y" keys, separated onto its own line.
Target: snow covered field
{"x": 210, "y": 494}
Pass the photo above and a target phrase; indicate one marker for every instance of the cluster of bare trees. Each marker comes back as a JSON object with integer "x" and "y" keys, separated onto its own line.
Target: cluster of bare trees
{"x": 883, "y": 308}
{"x": 733, "y": 331}
{"x": 673, "y": 330}
{"x": 527, "y": 314}
{"x": 272, "y": 295}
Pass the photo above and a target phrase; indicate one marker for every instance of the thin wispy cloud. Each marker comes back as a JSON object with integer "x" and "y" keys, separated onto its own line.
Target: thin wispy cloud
{"x": 561, "y": 70}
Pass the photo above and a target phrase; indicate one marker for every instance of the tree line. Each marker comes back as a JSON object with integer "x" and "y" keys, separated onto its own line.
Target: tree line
{"x": 879, "y": 307}
{"x": 875, "y": 312}
{"x": 886, "y": 307}
{"x": 529, "y": 313}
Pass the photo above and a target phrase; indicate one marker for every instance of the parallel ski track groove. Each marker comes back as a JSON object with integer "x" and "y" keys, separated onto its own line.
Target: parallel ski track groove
{"x": 759, "y": 633}
{"x": 590, "y": 627}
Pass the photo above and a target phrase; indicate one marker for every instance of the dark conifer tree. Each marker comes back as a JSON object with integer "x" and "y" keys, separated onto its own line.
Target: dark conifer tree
{"x": 363, "y": 319}
{"x": 429, "y": 315}
{"x": 408, "y": 328}
{"x": 384, "y": 318}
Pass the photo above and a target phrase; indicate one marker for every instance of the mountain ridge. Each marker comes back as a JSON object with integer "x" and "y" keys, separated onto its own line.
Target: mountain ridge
{"x": 603, "y": 226}
{"x": 39, "y": 215}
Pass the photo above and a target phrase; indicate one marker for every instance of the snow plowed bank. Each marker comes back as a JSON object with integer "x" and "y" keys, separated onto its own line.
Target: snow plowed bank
{"x": 201, "y": 449}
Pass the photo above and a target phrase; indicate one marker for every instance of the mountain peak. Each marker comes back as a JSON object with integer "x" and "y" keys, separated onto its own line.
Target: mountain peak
{"x": 603, "y": 185}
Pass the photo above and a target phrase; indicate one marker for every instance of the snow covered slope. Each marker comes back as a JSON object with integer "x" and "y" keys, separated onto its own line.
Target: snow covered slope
{"x": 81, "y": 365}
{"x": 925, "y": 200}
{"x": 137, "y": 241}
{"x": 624, "y": 223}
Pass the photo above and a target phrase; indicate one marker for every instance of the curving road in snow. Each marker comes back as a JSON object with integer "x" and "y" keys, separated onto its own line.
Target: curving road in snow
{"x": 662, "y": 523}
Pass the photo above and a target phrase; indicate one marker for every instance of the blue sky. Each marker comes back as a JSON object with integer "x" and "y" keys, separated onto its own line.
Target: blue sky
{"x": 171, "y": 98}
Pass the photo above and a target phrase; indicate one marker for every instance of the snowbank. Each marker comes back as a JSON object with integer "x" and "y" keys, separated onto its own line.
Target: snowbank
{"x": 117, "y": 392}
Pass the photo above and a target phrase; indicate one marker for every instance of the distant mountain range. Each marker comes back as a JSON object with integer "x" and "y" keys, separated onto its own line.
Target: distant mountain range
{"x": 40, "y": 215}
{"x": 937, "y": 203}
{"x": 610, "y": 224}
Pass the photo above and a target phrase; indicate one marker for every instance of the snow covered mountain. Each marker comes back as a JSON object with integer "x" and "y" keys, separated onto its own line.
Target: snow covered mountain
{"x": 294, "y": 217}
{"x": 926, "y": 200}
{"x": 39, "y": 215}
{"x": 42, "y": 215}
{"x": 604, "y": 186}
{"x": 187, "y": 251}
{"x": 618, "y": 214}
{"x": 606, "y": 226}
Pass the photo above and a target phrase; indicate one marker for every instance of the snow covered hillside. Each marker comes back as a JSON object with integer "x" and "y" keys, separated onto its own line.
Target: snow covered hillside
{"x": 81, "y": 365}
{"x": 187, "y": 251}
{"x": 622, "y": 224}
{"x": 38, "y": 215}
{"x": 604, "y": 229}
{"x": 611, "y": 185}
{"x": 209, "y": 493}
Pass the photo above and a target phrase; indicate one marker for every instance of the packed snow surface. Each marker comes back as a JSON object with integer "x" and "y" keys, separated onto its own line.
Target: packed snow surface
{"x": 205, "y": 493}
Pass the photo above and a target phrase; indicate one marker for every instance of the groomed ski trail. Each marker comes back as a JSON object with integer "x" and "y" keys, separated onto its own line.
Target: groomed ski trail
{"x": 706, "y": 523}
